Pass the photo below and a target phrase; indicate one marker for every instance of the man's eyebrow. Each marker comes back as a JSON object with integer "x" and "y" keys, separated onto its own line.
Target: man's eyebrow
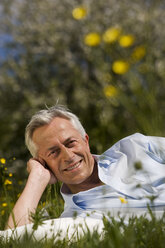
{"x": 52, "y": 148}
{"x": 67, "y": 140}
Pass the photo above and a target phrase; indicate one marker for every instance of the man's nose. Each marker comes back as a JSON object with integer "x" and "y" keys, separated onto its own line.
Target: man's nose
{"x": 67, "y": 154}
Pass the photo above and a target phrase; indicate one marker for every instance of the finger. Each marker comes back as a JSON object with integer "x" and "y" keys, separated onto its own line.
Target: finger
{"x": 31, "y": 163}
{"x": 42, "y": 161}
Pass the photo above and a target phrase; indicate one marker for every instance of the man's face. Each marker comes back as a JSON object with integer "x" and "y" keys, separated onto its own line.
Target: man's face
{"x": 64, "y": 150}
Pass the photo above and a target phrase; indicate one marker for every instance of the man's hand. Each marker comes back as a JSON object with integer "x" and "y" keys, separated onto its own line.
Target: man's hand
{"x": 39, "y": 178}
{"x": 38, "y": 169}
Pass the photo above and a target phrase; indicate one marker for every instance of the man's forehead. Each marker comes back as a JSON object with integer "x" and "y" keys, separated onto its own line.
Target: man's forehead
{"x": 60, "y": 122}
{"x": 57, "y": 127}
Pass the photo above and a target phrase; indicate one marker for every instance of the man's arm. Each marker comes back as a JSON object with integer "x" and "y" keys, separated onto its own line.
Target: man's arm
{"x": 38, "y": 179}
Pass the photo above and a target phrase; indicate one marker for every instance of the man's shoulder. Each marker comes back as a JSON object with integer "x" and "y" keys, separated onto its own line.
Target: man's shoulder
{"x": 135, "y": 136}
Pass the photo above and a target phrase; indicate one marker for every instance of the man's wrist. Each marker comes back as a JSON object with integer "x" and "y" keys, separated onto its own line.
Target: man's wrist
{"x": 38, "y": 179}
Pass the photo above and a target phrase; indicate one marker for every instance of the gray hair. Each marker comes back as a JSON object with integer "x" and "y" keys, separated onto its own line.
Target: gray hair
{"x": 44, "y": 117}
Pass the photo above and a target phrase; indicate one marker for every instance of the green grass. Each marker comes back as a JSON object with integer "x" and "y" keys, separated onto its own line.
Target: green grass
{"x": 139, "y": 232}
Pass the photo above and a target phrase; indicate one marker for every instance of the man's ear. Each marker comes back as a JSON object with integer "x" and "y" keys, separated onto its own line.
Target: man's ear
{"x": 87, "y": 140}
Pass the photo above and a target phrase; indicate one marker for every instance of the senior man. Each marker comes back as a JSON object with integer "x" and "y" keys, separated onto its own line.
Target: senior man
{"x": 126, "y": 178}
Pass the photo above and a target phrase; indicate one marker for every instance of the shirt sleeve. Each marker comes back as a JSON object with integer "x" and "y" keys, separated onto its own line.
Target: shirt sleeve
{"x": 118, "y": 165}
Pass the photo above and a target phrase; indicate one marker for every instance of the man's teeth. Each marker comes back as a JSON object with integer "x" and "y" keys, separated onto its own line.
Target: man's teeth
{"x": 73, "y": 167}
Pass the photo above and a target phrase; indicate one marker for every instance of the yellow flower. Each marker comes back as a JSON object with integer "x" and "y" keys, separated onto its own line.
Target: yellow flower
{"x": 10, "y": 174}
{"x": 4, "y": 204}
{"x": 126, "y": 40}
{"x": 110, "y": 91}
{"x": 120, "y": 66}
{"x": 123, "y": 200}
{"x": 111, "y": 35}
{"x": 79, "y": 13}
{"x": 92, "y": 39}
{"x": 139, "y": 52}
{"x": 2, "y": 212}
{"x": 7, "y": 182}
{"x": 3, "y": 161}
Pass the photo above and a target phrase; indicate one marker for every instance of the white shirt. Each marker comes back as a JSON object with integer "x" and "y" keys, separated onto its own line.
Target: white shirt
{"x": 127, "y": 189}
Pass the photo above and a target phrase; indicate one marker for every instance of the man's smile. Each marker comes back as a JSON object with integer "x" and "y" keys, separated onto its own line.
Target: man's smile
{"x": 73, "y": 166}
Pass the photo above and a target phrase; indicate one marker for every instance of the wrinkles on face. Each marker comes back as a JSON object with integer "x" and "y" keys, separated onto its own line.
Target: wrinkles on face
{"x": 64, "y": 150}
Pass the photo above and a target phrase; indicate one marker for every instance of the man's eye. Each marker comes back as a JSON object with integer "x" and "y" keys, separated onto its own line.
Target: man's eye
{"x": 71, "y": 143}
{"x": 54, "y": 152}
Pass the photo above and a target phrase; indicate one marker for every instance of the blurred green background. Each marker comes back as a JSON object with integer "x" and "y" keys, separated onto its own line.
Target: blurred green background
{"x": 104, "y": 59}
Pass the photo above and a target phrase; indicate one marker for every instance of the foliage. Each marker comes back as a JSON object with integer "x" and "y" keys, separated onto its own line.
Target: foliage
{"x": 104, "y": 60}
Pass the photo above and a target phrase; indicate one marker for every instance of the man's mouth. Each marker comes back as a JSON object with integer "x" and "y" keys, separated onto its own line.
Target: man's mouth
{"x": 76, "y": 165}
